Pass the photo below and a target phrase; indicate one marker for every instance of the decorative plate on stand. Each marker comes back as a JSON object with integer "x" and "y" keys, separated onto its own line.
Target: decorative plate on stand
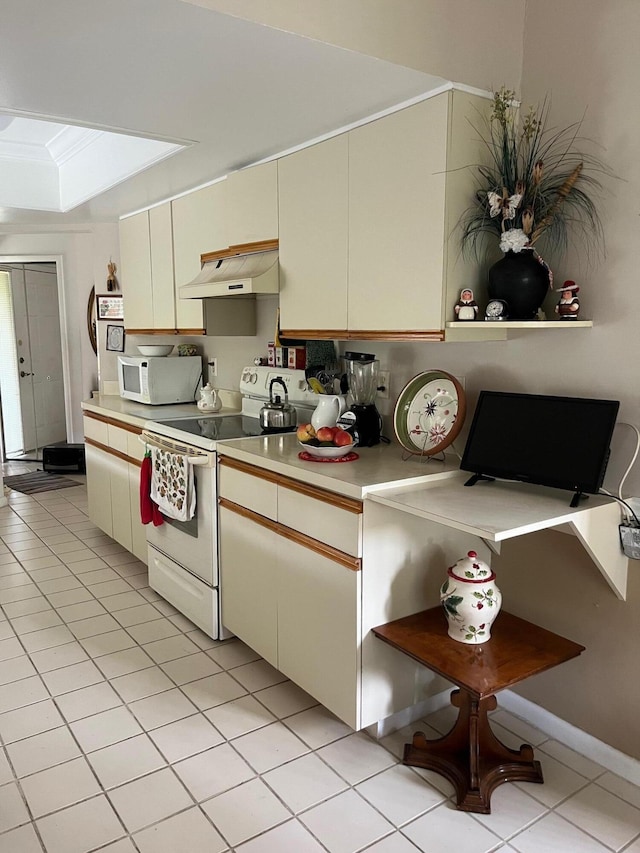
{"x": 429, "y": 412}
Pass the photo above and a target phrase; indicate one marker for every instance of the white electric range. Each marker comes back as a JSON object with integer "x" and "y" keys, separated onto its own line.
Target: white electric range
{"x": 183, "y": 556}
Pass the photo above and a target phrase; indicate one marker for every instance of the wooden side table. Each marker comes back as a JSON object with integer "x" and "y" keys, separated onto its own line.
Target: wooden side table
{"x": 470, "y": 756}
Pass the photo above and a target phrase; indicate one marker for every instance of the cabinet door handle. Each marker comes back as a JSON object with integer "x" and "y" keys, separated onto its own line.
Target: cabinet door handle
{"x": 23, "y": 374}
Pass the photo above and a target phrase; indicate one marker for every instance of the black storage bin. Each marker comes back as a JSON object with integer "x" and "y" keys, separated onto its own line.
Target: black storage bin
{"x": 64, "y": 458}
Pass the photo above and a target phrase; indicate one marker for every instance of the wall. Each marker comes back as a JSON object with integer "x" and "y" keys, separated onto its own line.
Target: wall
{"x": 85, "y": 253}
{"x": 466, "y": 41}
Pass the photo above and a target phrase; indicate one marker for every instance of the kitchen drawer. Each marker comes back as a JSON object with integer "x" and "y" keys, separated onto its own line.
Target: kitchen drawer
{"x": 97, "y": 430}
{"x": 338, "y": 523}
{"x": 257, "y": 492}
{"x": 118, "y": 438}
{"x": 193, "y": 598}
{"x": 135, "y": 448}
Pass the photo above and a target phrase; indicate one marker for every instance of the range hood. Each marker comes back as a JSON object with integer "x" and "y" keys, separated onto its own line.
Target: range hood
{"x": 239, "y": 270}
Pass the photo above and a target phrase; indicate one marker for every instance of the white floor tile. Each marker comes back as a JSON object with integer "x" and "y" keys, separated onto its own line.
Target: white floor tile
{"x": 525, "y": 731}
{"x": 445, "y": 828}
{"x": 214, "y": 690}
{"x": 125, "y": 761}
{"x": 59, "y": 656}
{"x": 191, "y": 668}
{"x": 81, "y": 827}
{"x": 157, "y": 629}
{"x": 397, "y": 843}
{"x": 170, "y": 835}
{"x": 560, "y": 782}
{"x": 580, "y": 763}
{"x": 10, "y": 648}
{"x": 20, "y": 693}
{"x": 122, "y": 601}
{"x": 57, "y": 787}
{"x": 124, "y": 662}
{"x": 554, "y": 834}
{"x": 185, "y": 737}
{"x": 94, "y": 625}
{"x": 41, "y": 751}
{"x": 290, "y": 837}
{"x": 13, "y": 811}
{"x": 137, "y": 615}
{"x": 83, "y": 610}
{"x": 171, "y": 648}
{"x": 356, "y": 757}
{"x": 304, "y": 782}
{"x": 285, "y": 699}
{"x": 512, "y": 810}
{"x": 258, "y": 675}
{"x": 623, "y": 789}
{"x": 21, "y": 840}
{"x": 106, "y": 644}
{"x": 212, "y": 772}
{"x": 105, "y": 728}
{"x": 145, "y": 801}
{"x": 75, "y": 677}
{"x": 245, "y": 811}
{"x": 142, "y": 683}
{"x": 6, "y": 774}
{"x": 28, "y": 721}
{"x": 399, "y": 794}
{"x": 161, "y": 709}
{"x": 317, "y": 727}
{"x": 239, "y": 717}
{"x": 269, "y": 747}
{"x": 21, "y": 608}
{"x": 347, "y": 823}
{"x": 87, "y": 701}
{"x": 35, "y": 622}
{"x": 603, "y": 815}
{"x": 46, "y": 639}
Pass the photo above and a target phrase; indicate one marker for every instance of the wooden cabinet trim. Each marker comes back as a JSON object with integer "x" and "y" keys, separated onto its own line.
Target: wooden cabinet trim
{"x": 112, "y": 452}
{"x": 365, "y": 335}
{"x": 113, "y": 422}
{"x": 240, "y": 249}
{"x": 354, "y": 564}
{"x": 332, "y": 498}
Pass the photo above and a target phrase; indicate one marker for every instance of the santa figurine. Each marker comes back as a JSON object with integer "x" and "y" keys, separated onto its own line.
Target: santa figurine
{"x": 569, "y": 304}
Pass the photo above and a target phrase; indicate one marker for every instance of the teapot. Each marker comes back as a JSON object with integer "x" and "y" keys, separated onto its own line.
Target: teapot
{"x": 328, "y": 410}
{"x": 209, "y": 400}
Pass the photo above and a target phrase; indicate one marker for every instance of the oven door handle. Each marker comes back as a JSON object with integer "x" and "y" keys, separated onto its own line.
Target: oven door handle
{"x": 199, "y": 460}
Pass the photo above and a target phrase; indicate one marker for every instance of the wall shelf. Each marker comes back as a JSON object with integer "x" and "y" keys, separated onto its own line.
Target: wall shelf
{"x": 523, "y": 324}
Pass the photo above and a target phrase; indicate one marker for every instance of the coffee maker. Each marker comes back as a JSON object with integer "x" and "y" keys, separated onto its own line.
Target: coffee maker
{"x": 362, "y": 373}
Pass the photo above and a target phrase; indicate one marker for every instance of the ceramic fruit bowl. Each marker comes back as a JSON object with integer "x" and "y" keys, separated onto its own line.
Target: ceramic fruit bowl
{"x": 326, "y": 452}
{"x": 155, "y": 349}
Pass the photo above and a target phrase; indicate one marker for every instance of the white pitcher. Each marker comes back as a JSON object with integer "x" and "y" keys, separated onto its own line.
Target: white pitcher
{"x": 209, "y": 400}
{"x": 328, "y": 410}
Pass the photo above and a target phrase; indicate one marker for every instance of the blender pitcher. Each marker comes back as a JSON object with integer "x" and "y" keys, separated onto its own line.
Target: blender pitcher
{"x": 362, "y": 370}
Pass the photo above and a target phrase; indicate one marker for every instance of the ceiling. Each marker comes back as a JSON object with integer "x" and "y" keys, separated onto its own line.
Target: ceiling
{"x": 234, "y": 92}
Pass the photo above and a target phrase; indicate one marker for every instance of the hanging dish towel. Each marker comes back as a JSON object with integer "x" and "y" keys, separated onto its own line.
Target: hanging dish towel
{"x": 172, "y": 484}
{"x": 148, "y": 509}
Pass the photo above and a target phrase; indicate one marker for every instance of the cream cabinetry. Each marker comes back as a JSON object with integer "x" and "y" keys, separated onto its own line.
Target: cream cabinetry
{"x": 146, "y": 260}
{"x": 388, "y": 195}
{"x": 291, "y": 596}
{"x": 251, "y": 205}
{"x": 113, "y": 455}
{"x": 314, "y": 216}
{"x": 199, "y": 226}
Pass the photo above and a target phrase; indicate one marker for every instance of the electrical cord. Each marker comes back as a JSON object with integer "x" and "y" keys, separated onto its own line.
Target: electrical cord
{"x": 620, "y": 500}
{"x": 633, "y": 458}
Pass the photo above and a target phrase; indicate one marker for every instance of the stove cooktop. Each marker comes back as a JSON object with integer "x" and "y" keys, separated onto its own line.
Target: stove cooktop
{"x": 206, "y": 430}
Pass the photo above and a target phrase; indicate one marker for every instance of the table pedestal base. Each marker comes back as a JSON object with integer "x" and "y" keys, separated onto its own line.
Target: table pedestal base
{"x": 471, "y": 757}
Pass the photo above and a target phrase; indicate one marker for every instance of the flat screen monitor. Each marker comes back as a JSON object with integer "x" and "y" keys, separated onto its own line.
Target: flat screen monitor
{"x": 561, "y": 442}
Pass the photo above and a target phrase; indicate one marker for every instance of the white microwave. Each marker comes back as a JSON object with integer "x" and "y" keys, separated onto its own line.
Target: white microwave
{"x": 158, "y": 379}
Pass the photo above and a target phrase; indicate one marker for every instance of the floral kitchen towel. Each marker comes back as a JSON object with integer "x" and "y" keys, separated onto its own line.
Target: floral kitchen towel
{"x": 172, "y": 484}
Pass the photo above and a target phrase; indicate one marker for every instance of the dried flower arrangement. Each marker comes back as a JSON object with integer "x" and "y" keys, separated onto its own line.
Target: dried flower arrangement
{"x": 536, "y": 184}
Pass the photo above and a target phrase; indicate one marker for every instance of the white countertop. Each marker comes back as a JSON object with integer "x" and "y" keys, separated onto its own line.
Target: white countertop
{"x": 378, "y": 468}
{"x": 139, "y": 413}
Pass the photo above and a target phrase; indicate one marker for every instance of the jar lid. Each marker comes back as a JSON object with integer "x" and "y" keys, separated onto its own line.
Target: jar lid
{"x": 471, "y": 568}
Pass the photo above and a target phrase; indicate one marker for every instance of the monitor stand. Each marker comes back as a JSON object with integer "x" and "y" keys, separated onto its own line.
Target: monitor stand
{"x": 578, "y": 496}
{"x": 476, "y": 477}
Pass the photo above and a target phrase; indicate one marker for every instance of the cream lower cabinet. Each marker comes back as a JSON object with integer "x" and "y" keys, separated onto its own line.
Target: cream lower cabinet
{"x": 113, "y": 475}
{"x": 290, "y": 596}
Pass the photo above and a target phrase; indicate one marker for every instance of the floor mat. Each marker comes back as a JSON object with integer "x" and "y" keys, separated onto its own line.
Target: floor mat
{"x": 38, "y": 481}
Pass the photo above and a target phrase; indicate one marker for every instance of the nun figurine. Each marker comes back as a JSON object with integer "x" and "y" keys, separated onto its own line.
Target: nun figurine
{"x": 466, "y": 308}
{"x": 569, "y": 304}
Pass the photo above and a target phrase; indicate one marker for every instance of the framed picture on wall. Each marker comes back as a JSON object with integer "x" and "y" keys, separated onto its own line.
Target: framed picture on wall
{"x": 115, "y": 338}
{"x": 110, "y": 307}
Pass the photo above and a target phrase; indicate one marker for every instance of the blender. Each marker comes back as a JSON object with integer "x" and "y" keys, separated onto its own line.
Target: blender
{"x": 362, "y": 372}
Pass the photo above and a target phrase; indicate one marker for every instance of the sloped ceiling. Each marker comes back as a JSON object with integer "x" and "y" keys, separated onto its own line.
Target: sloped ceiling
{"x": 234, "y": 91}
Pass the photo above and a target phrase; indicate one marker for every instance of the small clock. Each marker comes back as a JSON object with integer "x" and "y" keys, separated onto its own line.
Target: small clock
{"x": 497, "y": 309}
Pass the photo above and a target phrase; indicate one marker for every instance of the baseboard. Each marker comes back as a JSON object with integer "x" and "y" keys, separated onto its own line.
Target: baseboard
{"x": 612, "y": 759}
{"x": 404, "y": 718}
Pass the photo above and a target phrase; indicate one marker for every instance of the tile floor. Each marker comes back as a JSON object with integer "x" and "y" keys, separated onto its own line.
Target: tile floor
{"x": 124, "y": 728}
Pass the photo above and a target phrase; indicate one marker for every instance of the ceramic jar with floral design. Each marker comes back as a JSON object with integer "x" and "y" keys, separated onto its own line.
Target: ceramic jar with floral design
{"x": 471, "y": 600}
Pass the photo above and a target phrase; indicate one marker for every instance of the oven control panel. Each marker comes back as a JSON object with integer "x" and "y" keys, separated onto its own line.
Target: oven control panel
{"x": 255, "y": 381}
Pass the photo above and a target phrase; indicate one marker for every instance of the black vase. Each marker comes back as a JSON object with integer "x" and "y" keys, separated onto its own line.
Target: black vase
{"x": 522, "y": 281}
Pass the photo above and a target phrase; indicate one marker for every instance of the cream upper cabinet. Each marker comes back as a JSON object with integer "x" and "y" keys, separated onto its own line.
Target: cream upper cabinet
{"x": 251, "y": 205}
{"x": 397, "y": 218}
{"x": 199, "y": 226}
{"x": 312, "y": 191}
{"x": 135, "y": 271}
{"x": 146, "y": 260}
